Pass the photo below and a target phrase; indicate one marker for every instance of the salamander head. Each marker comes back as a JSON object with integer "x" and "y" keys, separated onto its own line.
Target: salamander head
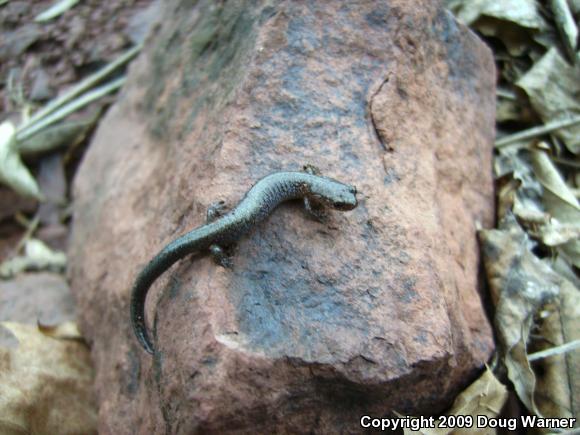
{"x": 333, "y": 193}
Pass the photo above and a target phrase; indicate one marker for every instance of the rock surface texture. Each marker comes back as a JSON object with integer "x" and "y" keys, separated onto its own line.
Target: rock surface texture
{"x": 317, "y": 323}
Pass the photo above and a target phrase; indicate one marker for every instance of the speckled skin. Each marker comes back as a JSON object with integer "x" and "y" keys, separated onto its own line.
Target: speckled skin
{"x": 258, "y": 203}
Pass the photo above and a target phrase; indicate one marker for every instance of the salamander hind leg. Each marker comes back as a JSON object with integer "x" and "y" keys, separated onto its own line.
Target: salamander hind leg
{"x": 216, "y": 210}
{"x": 220, "y": 256}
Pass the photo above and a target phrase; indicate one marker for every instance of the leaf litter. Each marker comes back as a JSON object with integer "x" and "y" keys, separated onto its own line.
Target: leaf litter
{"x": 46, "y": 374}
{"x": 532, "y": 258}
{"x": 46, "y": 382}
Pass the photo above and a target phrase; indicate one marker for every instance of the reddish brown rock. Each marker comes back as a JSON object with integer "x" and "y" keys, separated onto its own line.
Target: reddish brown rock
{"x": 317, "y": 323}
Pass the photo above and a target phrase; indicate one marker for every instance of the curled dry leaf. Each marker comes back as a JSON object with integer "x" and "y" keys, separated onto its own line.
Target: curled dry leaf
{"x": 37, "y": 256}
{"x": 553, "y": 87}
{"x": 46, "y": 384}
{"x": 521, "y": 284}
{"x": 13, "y": 173}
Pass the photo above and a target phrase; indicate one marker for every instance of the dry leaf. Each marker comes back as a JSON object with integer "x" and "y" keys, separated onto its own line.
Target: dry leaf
{"x": 68, "y": 330}
{"x": 518, "y": 189}
{"x": 522, "y": 12}
{"x": 37, "y": 256}
{"x": 508, "y": 109}
{"x": 516, "y": 42}
{"x": 59, "y": 135}
{"x": 521, "y": 284}
{"x": 565, "y": 270}
{"x": 574, "y": 6}
{"x": 485, "y": 398}
{"x": 529, "y": 213}
{"x": 552, "y": 181}
{"x": 46, "y": 385}
{"x": 558, "y": 380}
{"x": 13, "y": 173}
{"x": 553, "y": 87}
{"x": 566, "y": 26}
{"x": 559, "y": 201}
{"x": 554, "y": 233}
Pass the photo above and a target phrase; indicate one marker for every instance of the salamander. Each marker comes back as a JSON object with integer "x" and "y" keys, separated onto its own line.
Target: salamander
{"x": 224, "y": 228}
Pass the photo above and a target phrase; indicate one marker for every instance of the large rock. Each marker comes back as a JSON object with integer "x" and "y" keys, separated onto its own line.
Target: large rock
{"x": 317, "y": 323}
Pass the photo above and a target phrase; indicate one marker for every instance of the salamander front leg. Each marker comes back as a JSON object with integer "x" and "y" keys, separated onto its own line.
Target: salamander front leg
{"x": 215, "y": 211}
{"x": 220, "y": 256}
{"x": 314, "y": 208}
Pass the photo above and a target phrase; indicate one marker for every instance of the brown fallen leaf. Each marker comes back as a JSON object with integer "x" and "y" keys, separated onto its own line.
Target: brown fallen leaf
{"x": 46, "y": 385}
{"x": 521, "y": 284}
{"x": 518, "y": 189}
{"x": 553, "y": 87}
{"x": 553, "y": 233}
{"x": 566, "y": 26}
{"x": 525, "y": 13}
{"x": 558, "y": 380}
{"x": 559, "y": 201}
{"x": 485, "y": 398}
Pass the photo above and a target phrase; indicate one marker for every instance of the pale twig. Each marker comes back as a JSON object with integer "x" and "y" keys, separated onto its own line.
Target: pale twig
{"x": 63, "y": 112}
{"x": 30, "y": 225}
{"x": 557, "y": 350}
{"x": 505, "y": 93}
{"x": 78, "y": 89}
{"x": 537, "y": 131}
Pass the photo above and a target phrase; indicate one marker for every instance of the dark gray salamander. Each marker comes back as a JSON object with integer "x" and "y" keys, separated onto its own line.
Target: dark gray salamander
{"x": 224, "y": 230}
